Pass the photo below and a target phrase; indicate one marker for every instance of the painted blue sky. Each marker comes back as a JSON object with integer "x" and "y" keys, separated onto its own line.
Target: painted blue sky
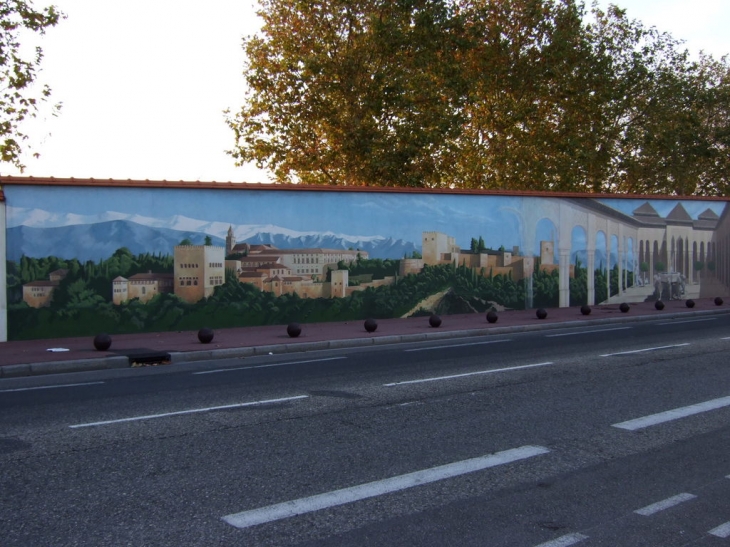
{"x": 401, "y": 216}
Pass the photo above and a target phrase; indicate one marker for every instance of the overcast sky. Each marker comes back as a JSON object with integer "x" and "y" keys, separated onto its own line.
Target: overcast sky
{"x": 144, "y": 83}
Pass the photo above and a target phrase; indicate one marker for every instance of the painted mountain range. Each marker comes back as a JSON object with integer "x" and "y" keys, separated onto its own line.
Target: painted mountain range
{"x": 39, "y": 235}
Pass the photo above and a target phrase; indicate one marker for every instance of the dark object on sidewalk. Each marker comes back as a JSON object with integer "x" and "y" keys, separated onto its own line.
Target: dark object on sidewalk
{"x": 102, "y": 342}
{"x": 624, "y": 307}
{"x": 659, "y": 305}
{"x": 492, "y": 316}
{"x": 434, "y": 321}
{"x": 145, "y": 357}
{"x": 205, "y": 335}
{"x": 541, "y": 313}
{"x": 718, "y": 301}
{"x": 690, "y": 303}
{"x": 371, "y": 325}
{"x": 293, "y": 330}
{"x": 585, "y": 310}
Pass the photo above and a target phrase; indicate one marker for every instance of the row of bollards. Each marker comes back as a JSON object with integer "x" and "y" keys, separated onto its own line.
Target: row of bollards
{"x": 102, "y": 342}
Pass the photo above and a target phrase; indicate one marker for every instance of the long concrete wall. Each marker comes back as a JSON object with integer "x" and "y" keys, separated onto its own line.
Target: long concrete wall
{"x": 59, "y": 234}
{"x": 3, "y": 278}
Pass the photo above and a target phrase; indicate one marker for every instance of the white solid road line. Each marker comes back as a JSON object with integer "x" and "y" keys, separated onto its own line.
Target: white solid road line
{"x": 192, "y": 411}
{"x": 460, "y": 345}
{"x": 664, "y": 504}
{"x": 585, "y": 332}
{"x": 644, "y": 350}
{"x": 491, "y": 371}
{"x": 301, "y": 506}
{"x": 722, "y": 531}
{"x": 674, "y": 414}
{"x": 251, "y": 367}
{"x": 50, "y": 387}
{"x": 564, "y": 541}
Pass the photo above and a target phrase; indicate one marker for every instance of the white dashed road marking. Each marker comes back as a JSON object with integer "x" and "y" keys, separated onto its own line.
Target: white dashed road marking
{"x": 664, "y": 504}
{"x": 722, "y": 531}
{"x": 675, "y": 414}
{"x": 251, "y": 367}
{"x": 301, "y": 506}
{"x": 458, "y": 345}
{"x": 585, "y": 332}
{"x": 466, "y": 374}
{"x": 564, "y": 541}
{"x": 644, "y": 350}
{"x": 192, "y": 411}
{"x": 50, "y": 387}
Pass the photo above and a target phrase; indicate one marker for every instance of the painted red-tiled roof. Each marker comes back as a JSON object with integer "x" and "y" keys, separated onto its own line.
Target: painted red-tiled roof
{"x": 151, "y": 276}
{"x": 41, "y": 284}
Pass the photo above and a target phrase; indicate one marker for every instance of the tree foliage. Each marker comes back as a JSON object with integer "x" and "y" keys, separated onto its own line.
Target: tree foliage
{"x": 503, "y": 94}
{"x": 19, "y": 64}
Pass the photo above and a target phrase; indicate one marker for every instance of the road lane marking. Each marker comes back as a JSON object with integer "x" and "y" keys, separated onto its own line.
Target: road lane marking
{"x": 722, "y": 531}
{"x": 451, "y": 377}
{"x": 267, "y": 366}
{"x": 664, "y": 504}
{"x": 585, "y": 332}
{"x": 688, "y": 321}
{"x": 645, "y": 350}
{"x": 674, "y": 414}
{"x": 191, "y": 411}
{"x": 300, "y": 506}
{"x": 460, "y": 345}
{"x": 564, "y": 541}
{"x": 50, "y": 387}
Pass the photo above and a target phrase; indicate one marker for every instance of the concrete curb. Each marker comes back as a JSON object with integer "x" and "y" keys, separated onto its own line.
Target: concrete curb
{"x": 59, "y": 367}
{"x": 104, "y": 363}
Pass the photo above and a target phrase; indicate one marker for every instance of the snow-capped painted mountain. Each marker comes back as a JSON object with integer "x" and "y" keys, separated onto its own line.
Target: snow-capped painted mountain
{"x": 95, "y": 241}
{"x": 36, "y": 233}
{"x": 39, "y": 218}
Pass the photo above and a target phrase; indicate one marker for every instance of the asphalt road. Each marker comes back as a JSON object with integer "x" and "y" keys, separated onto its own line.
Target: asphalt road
{"x": 615, "y": 436}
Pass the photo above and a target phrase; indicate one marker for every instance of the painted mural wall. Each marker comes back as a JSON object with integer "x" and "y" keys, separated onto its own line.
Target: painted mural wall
{"x": 81, "y": 259}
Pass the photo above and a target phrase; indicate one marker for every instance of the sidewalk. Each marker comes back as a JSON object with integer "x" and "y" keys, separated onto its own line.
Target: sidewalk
{"x": 32, "y": 357}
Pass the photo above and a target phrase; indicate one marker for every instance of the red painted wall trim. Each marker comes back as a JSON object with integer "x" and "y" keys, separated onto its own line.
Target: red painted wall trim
{"x": 243, "y": 186}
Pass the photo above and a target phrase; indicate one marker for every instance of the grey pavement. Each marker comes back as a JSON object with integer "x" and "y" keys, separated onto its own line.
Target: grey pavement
{"x": 48, "y": 356}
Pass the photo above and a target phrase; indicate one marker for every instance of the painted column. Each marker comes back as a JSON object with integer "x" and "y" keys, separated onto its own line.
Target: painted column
{"x": 608, "y": 265}
{"x": 690, "y": 264}
{"x": 591, "y": 259}
{"x": 3, "y": 276}
{"x": 564, "y": 277}
{"x": 620, "y": 263}
{"x": 651, "y": 261}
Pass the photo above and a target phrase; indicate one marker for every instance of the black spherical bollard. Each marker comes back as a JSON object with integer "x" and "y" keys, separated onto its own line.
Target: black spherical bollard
{"x": 293, "y": 330}
{"x": 434, "y": 321}
{"x": 718, "y": 301}
{"x": 102, "y": 342}
{"x": 690, "y": 303}
{"x": 371, "y": 325}
{"x": 659, "y": 305}
{"x": 624, "y": 307}
{"x": 541, "y": 313}
{"x": 205, "y": 335}
{"x": 492, "y": 316}
{"x": 585, "y": 310}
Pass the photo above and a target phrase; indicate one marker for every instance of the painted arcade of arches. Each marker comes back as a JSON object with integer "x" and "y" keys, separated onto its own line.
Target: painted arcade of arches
{"x": 643, "y": 246}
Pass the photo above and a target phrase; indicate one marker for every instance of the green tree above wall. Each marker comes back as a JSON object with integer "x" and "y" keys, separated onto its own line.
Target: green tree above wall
{"x": 505, "y": 94}
{"x": 20, "y": 95}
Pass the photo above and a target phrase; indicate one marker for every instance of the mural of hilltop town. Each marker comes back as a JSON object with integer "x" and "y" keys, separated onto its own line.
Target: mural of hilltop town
{"x": 119, "y": 259}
